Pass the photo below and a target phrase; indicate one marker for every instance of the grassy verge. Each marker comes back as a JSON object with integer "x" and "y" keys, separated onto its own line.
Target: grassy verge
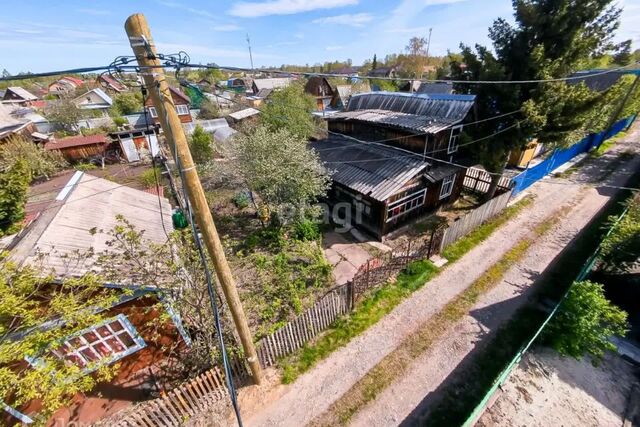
{"x": 386, "y": 298}
{"x": 457, "y": 250}
{"x": 396, "y": 363}
{"x": 461, "y": 396}
{"x": 608, "y": 144}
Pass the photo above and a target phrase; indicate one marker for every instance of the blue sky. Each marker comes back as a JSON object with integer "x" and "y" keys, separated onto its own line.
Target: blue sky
{"x": 41, "y": 35}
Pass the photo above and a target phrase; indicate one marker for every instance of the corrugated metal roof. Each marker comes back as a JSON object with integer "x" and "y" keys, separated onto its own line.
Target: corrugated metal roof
{"x": 435, "y": 88}
{"x": 416, "y": 112}
{"x": 92, "y": 204}
{"x": 243, "y": 114}
{"x": 22, "y": 93}
{"x": 376, "y": 171}
{"x": 76, "y": 141}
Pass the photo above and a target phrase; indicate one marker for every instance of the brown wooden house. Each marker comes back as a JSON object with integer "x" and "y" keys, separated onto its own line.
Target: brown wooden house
{"x": 78, "y": 148}
{"x": 396, "y": 165}
{"x": 321, "y": 90}
{"x": 180, "y": 100}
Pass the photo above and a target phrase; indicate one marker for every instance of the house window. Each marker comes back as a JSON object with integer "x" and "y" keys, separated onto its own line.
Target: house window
{"x": 406, "y": 204}
{"x": 153, "y": 112}
{"x": 183, "y": 110}
{"x": 106, "y": 343}
{"x": 453, "y": 139}
{"x": 447, "y": 186}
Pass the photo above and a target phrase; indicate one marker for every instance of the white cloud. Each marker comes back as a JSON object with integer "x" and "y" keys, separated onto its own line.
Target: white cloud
{"x": 95, "y": 12}
{"x": 354, "y": 20}
{"x": 284, "y": 7}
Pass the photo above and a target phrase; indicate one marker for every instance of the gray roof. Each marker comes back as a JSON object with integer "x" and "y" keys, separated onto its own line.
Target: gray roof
{"x": 85, "y": 203}
{"x": 599, "y": 82}
{"x": 435, "y": 88}
{"x": 243, "y": 114}
{"x": 274, "y": 83}
{"x": 264, "y": 93}
{"x": 22, "y": 93}
{"x": 421, "y": 113}
{"x": 375, "y": 170}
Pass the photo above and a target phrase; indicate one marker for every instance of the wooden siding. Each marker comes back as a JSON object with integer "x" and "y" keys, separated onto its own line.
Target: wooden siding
{"x": 76, "y": 154}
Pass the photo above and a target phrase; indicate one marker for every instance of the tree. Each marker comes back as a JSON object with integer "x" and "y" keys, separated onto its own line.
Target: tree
{"x": 374, "y": 63}
{"x": 201, "y": 145}
{"x": 282, "y": 170}
{"x": 550, "y": 39}
{"x": 40, "y": 162}
{"x": 65, "y": 114}
{"x": 14, "y": 183}
{"x": 29, "y": 299}
{"x": 585, "y": 322}
{"x": 623, "y": 54}
{"x": 126, "y": 103}
{"x": 290, "y": 108}
{"x": 620, "y": 249}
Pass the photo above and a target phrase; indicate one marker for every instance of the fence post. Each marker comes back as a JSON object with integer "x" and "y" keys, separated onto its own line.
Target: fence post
{"x": 433, "y": 232}
{"x": 351, "y": 288}
{"x": 406, "y": 262}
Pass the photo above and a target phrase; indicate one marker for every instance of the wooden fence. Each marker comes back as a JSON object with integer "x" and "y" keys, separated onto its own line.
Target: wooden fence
{"x": 469, "y": 222}
{"x": 305, "y": 327}
{"x": 190, "y": 399}
{"x": 478, "y": 181}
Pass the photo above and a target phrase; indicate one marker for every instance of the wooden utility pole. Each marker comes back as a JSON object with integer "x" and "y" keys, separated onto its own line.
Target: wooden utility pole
{"x": 154, "y": 79}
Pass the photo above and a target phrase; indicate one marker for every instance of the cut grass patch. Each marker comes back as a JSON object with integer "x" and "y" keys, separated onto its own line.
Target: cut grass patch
{"x": 608, "y": 144}
{"x": 457, "y": 250}
{"x": 375, "y": 306}
{"x": 396, "y": 363}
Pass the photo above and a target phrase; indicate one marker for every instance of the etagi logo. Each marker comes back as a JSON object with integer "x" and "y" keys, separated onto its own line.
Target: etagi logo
{"x": 343, "y": 215}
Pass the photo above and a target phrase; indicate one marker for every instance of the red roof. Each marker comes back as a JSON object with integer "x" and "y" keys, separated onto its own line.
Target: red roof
{"x": 76, "y": 81}
{"x": 76, "y": 141}
{"x": 113, "y": 83}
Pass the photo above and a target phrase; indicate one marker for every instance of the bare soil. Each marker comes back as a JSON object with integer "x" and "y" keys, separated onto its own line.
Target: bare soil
{"x": 312, "y": 394}
{"x": 549, "y": 390}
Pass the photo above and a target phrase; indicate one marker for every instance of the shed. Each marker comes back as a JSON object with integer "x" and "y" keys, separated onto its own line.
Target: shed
{"x": 78, "y": 148}
{"x": 18, "y": 94}
{"x": 244, "y": 114}
{"x": 135, "y": 143}
{"x": 341, "y": 97}
{"x": 321, "y": 90}
{"x": 271, "y": 83}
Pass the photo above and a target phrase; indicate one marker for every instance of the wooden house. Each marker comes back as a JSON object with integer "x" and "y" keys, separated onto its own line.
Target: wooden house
{"x": 18, "y": 95}
{"x": 382, "y": 187}
{"x": 425, "y": 124}
{"x": 78, "y": 148}
{"x": 134, "y": 333}
{"x": 96, "y": 100}
{"x": 240, "y": 84}
{"x": 321, "y": 90}
{"x": 384, "y": 72}
{"x": 180, "y": 100}
{"x": 394, "y": 161}
{"x": 12, "y": 125}
{"x": 65, "y": 85}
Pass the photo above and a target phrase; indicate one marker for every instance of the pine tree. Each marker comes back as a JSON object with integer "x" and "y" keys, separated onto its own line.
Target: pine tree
{"x": 374, "y": 64}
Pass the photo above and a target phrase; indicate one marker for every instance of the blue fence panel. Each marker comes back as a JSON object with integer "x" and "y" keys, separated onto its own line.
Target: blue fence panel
{"x": 559, "y": 157}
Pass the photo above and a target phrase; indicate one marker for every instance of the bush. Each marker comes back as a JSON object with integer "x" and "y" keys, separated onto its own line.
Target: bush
{"x": 85, "y": 167}
{"x": 119, "y": 121}
{"x": 14, "y": 184}
{"x": 39, "y": 161}
{"x": 148, "y": 177}
{"x": 241, "y": 200}
{"x": 585, "y": 322}
{"x": 306, "y": 230}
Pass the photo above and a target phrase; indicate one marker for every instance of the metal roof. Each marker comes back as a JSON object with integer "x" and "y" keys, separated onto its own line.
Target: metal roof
{"x": 595, "y": 80}
{"x": 435, "y": 88}
{"x": 89, "y": 203}
{"x": 377, "y": 171}
{"x": 243, "y": 114}
{"x": 424, "y": 113}
{"x": 22, "y": 93}
{"x": 274, "y": 83}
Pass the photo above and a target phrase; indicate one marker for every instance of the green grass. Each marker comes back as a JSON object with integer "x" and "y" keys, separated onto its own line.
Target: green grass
{"x": 375, "y": 306}
{"x": 396, "y": 363}
{"x": 457, "y": 250}
{"x": 608, "y": 144}
{"x": 461, "y": 396}
{"x": 367, "y": 313}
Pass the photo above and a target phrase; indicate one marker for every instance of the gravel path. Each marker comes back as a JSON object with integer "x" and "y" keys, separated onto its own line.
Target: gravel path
{"x": 314, "y": 391}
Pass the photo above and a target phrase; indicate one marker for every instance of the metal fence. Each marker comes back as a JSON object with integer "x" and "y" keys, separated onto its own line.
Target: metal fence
{"x": 560, "y": 156}
{"x": 469, "y": 222}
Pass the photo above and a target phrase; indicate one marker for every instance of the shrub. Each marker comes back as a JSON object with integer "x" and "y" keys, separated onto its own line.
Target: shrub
{"x": 119, "y": 121}
{"x": 306, "y": 230}
{"x": 85, "y": 167}
{"x": 241, "y": 199}
{"x": 148, "y": 177}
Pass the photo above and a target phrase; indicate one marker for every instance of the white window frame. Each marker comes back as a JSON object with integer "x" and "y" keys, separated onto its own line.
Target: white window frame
{"x": 153, "y": 112}
{"x": 447, "y": 186}
{"x": 114, "y": 356}
{"x": 183, "y": 110}
{"x": 453, "y": 139}
{"x": 406, "y": 204}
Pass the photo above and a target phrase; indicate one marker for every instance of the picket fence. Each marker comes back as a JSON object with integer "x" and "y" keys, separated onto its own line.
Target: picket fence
{"x": 469, "y": 222}
{"x": 188, "y": 400}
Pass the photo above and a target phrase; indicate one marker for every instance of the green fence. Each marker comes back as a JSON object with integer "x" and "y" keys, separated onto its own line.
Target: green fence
{"x": 586, "y": 268}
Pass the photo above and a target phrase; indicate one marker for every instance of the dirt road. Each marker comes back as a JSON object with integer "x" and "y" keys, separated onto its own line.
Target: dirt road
{"x": 311, "y": 395}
